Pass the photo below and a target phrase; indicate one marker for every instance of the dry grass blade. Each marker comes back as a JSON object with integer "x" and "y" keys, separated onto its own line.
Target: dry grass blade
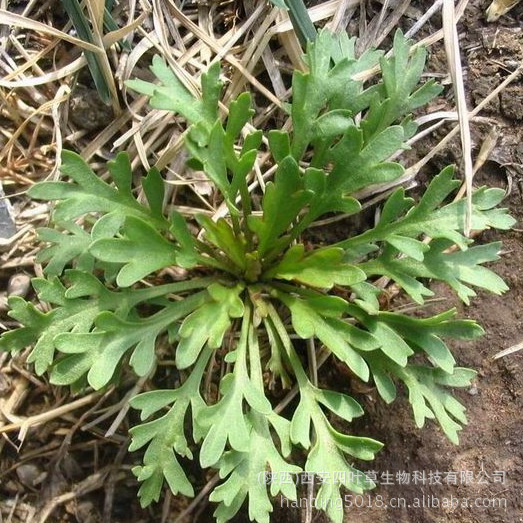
{"x": 257, "y": 46}
{"x": 381, "y": 25}
{"x": 92, "y": 482}
{"x": 487, "y": 146}
{"x": 46, "y": 78}
{"x": 510, "y": 350}
{"x": 44, "y": 108}
{"x": 10, "y": 405}
{"x": 198, "y": 499}
{"x": 97, "y": 8}
{"x": 63, "y": 91}
{"x": 291, "y": 44}
{"x": 112, "y": 37}
{"x": 317, "y": 13}
{"x": 453, "y": 57}
{"x": 500, "y": 7}
{"x": 342, "y": 15}
{"x": 411, "y": 171}
{"x": 31, "y": 62}
{"x": 23, "y": 425}
{"x": 68, "y": 70}
{"x": 8, "y": 18}
{"x": 232, "y": 37}
{"x": 438, "y": 35}
{"x": 211, "y": 42}
{"x": 436, "y": 6}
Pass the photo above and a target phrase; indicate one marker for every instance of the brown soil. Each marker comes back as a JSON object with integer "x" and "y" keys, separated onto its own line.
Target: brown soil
{"x": 491, "y": 444}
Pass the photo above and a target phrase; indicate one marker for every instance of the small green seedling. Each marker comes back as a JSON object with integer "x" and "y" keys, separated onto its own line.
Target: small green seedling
{"x": 259, "y": 304}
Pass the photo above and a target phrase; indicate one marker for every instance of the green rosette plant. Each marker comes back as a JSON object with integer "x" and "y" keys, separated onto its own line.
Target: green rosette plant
{"x": 259, "y": 305}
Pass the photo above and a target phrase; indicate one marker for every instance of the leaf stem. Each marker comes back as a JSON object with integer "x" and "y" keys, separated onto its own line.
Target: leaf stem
{"x": 293, "y": 358}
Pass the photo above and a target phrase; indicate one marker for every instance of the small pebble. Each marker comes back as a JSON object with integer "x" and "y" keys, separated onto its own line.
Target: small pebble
{"x": 83, "y": 511}
{"x": 11, "y": 486}
{"x": 18, "y": 285}
{"x": 28, "y": 473}
{"x": 473, "y": 390}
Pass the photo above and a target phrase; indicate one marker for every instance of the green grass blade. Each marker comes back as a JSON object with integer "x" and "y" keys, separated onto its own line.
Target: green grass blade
{"x": 300, "y": 19}
{"x": 82, "y": 26}
{"x": 111, "y": 25}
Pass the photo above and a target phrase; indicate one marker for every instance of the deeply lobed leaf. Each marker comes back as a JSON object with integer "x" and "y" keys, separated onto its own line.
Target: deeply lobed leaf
{"x": 233, "y": 334}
